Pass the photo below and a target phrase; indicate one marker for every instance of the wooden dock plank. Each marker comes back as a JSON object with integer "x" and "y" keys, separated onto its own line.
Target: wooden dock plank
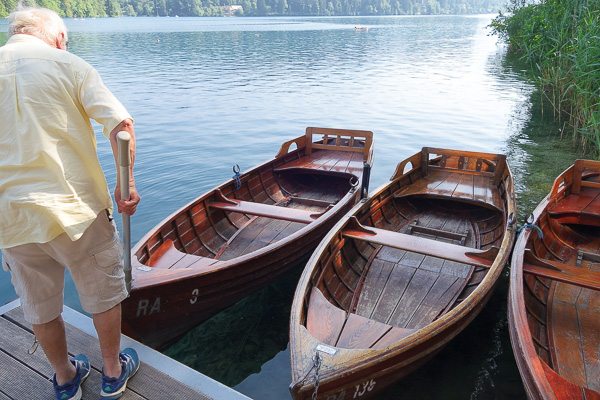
{"x": 148, "y": 383}
{"x": 19, "y": 370}
{"x": 21, "y": 341}
{"x": 17, "y": 380}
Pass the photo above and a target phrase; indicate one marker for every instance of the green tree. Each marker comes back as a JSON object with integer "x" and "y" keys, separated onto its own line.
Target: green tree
{"x": 113, "y": 8}
{"x": 261, "y": 7}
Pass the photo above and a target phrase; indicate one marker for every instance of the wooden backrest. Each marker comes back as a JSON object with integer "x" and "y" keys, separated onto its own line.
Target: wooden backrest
{"x": 579, "y": 168}
{"x": 466, "y": 162}
{"x": 340, "y": 139}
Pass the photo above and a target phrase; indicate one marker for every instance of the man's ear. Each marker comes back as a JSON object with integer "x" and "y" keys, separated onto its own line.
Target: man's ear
{"x": 60, "y": 41}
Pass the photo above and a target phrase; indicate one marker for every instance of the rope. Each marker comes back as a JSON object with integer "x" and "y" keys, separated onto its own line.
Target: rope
{"x": 531, "y": 226}
{"x": 236, "y": 177}
{"x": 316, "y": 365}
{"x": 33, "y": 347}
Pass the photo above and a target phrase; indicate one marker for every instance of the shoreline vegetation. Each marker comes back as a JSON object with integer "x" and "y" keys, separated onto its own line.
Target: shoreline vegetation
{"x": 217, "y": 8}
{"x": 560, "y": 41}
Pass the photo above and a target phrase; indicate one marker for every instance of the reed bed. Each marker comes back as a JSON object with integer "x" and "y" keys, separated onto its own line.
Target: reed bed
{"x": 560, "y": 39}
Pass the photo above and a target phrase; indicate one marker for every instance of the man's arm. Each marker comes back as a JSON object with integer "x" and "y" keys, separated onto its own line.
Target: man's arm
{"x": 126, "y": 206}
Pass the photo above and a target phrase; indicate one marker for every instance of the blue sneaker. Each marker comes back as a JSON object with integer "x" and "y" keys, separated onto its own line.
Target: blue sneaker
{"x": 72, "y": 390}
{"x": 113, "y": 388}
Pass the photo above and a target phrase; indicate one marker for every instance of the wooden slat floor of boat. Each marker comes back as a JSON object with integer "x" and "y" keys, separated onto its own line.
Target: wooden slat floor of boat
{"x": 575, "y": 315}
{"x": 409, "y": 290}
{"x": 454, "y": 184}
{"x": 327, "y": 160}
{"x": 25, "y": 376}
{"x": 263, "y": 231}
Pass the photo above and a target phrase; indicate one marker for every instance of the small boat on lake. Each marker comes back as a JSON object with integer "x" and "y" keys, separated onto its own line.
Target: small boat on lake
{"x": 402, "y": 274}
{"x": 243, "y": 234}
{"x": 554, "y": 295}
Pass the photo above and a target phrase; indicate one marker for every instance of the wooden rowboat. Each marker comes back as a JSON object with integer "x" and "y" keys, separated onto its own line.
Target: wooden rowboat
{"x": 243, "y": 234}
{"x": 402, "y": 274}
{"x": 554, "y": 295}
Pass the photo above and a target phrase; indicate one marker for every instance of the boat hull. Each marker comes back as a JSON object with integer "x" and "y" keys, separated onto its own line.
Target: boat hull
{"x": 402, "y": 274}
{"x": 554, "y": 293}
{"x": 369, "y": 377}
{"x": 169, "y": 310}
{"x": 243, "y": 234}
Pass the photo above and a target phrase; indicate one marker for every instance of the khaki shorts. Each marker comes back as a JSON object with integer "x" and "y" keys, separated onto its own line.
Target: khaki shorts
{"x": 94, "y": 261}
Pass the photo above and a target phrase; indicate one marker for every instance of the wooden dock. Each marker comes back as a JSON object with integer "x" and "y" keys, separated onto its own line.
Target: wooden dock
{"x": 25, "y": 376}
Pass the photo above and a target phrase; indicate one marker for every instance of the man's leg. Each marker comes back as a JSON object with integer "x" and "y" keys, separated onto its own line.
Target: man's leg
{"x": 108, "y": 327}
{"x": 38, "y": 280}
{"x": 52, "y": 338}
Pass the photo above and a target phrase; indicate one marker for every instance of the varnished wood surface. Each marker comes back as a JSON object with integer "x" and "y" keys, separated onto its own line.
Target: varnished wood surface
{"x": 561, "y": 272}
{"x": 554, "y": 297}
{"x": 460, "y": 185}
{"x": 339, "y": 162}
{"x": 243, "y": 234}
{"x": 402, "y": 274}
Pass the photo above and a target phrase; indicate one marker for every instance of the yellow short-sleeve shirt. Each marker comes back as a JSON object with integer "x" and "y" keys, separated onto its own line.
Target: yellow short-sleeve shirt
{"x": 50, "y": 178}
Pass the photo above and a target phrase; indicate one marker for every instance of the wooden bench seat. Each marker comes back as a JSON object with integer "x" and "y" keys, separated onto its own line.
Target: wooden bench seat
{"x": 461, "y": 185}
{"x": 263, "y": 210}
{"x": 561, "y": 272}
{"x": 327, "y": 161}
{"x": 581, "y": 205}
{"x": 339, "y": 151}
{"x": 168, "y": 257}
{"x": 582, "y": 208}
{"x": 421, "y": 245}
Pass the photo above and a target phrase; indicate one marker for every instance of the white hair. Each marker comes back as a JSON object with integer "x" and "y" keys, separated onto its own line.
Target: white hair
{"x": 40, "y": 22}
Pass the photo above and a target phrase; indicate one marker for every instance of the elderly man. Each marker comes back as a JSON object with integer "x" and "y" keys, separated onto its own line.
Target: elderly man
{"x": 56, "y": 207}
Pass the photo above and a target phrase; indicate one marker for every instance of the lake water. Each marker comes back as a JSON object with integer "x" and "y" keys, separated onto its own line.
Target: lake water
{"x": 208, "y": 93}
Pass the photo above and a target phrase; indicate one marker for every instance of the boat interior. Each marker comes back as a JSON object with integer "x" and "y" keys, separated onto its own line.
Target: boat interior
{"x": 376, "y": 289}
{"x": 262, "y": 206}
{"x": 562, "y": 283}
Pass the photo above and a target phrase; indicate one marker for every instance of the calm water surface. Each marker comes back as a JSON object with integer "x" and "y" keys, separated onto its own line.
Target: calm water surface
{"x": 208, "y": 93}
